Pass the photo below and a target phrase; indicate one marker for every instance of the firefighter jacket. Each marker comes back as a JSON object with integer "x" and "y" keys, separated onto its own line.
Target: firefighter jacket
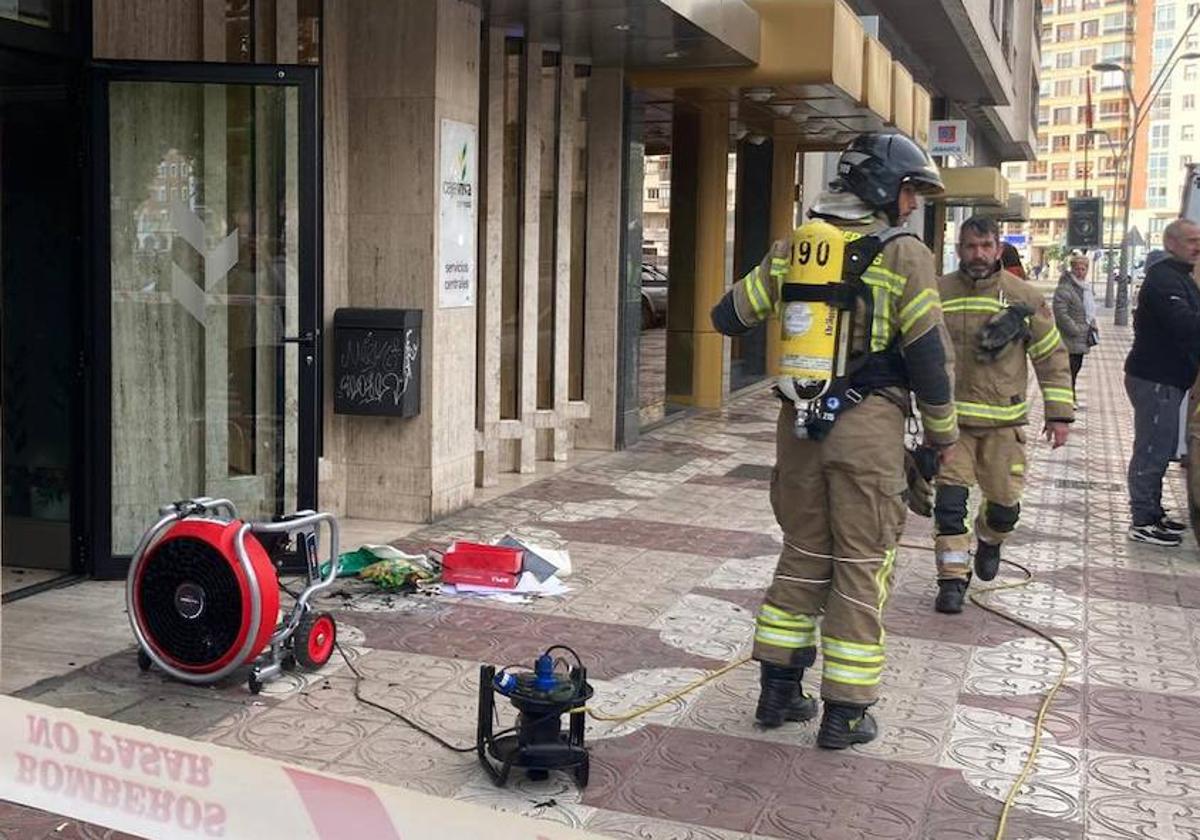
{"x": 994, "y": 392}
{"x": 905, "y": 316}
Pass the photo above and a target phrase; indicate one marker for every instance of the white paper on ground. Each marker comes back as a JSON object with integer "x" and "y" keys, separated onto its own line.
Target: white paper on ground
{"x": 527, "y": 585}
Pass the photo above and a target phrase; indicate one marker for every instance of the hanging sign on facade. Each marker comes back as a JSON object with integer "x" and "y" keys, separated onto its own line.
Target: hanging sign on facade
{"x": 457, "y": 202}
{"x": 947, "y": 137}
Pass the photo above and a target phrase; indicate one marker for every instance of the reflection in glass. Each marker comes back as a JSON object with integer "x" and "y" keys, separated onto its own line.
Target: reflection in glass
{"x": 548, "y": 227}
{"x": 510, "y": 282}
{"x": 204, "y": 215}
{"x": 45, "y": 14}
{"x": 579, "y": 194}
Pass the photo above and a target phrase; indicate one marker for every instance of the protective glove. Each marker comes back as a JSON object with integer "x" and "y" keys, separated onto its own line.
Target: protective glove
{"x": 920, "y": 467}
{"x": 1003, "y": 328}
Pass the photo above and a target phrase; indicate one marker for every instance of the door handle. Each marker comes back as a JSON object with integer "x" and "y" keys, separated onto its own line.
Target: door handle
{"x": 304, "y": 338}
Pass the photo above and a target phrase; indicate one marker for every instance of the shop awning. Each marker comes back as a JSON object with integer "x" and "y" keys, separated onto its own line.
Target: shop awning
{"x": 975, "y": 186}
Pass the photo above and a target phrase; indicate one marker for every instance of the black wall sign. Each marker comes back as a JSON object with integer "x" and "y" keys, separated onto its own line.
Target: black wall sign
{"x": 1085, "y": 222}
{"x": 377, "y": 362}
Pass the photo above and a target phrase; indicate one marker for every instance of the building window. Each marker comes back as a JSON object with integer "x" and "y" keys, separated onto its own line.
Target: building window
{"x": 1066, "y": 7}
{"x": 1037, "y": 171}
{"x": 1162, "y": 107}
{"x": 1062, "y": 116}
{"x": 1164, "y": 18}
{"x": 1065, "y": 32}
{"x": 1043, "y": 115}
{"x": 1081, "y": 114}
{"x": 1087, "y": 57}
{"x": 1058, "y": 198}
{"x": 1089, "y": 29}
{"x": 1189, "y": 101}
{"x": 1062, "y": 143}
{"x": 1114, "y": 51}
{"x": 1037, "y": 198}
{"x": 1088, "y": 5}
{"x": 1190, "y": 73}
{"x": 1063, "y": 87}
{"x": 1160, "y": 136}
{"x": 1112, "y": 80}
{"x": 1114, "y": 22}
{"x": 1043, "y": 144}
{"x": 1082, "y": 173}
{"x": 1060, "y": 171}
{"x": 1187, "y": 132}
{"x": 1064, "y": 60}
{"x": 1113, "y": 109}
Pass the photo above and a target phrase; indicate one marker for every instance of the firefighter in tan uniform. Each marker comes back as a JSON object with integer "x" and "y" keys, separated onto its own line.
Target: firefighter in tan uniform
{"x": 839, "y": 475}
{"x": 997, "y": 322}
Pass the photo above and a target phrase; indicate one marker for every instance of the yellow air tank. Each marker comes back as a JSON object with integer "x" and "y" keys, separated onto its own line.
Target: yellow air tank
{"x": 811, "y": 328}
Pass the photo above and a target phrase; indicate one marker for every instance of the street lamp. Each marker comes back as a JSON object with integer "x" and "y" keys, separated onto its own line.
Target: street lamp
{"x": 1112, "y": 215}
{"x": 1121, "y": 316}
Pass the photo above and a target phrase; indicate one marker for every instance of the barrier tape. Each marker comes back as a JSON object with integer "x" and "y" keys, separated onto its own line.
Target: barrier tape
{"x": 157, "y": 785}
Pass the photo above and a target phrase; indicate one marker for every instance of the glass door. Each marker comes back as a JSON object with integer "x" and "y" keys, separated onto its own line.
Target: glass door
{"x": 209, "y": 325}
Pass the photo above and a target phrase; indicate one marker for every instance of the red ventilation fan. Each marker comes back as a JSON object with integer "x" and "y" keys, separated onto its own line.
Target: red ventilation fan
{"x": 203, "y": 595}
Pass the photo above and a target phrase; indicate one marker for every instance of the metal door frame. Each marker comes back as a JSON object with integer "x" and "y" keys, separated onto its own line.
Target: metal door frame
{"x": 96, "y": 541}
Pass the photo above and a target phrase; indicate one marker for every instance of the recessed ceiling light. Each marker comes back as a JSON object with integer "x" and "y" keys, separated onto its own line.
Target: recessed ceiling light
{"x": 760, "y": 94}
{"x": 621, "y": 27}
{"x": 673, "y": 54}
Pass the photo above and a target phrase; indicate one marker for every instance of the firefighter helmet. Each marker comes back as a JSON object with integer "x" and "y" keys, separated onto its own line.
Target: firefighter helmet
{"x": 875, "y": 166}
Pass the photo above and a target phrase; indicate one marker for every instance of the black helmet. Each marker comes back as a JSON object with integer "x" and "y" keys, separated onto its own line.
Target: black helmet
{"x": 875, "y": 166}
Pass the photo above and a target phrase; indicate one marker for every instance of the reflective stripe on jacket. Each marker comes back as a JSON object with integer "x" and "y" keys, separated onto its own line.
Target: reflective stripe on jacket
{"x": 994, "y": 393}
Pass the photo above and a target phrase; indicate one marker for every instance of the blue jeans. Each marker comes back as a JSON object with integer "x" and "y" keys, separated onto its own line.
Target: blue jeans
{"x": 1155, "y": 439}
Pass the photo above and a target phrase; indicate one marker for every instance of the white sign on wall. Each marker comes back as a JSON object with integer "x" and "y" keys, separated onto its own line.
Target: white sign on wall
{"x": 457, "y": 191}
{"x": 947, "y": 137}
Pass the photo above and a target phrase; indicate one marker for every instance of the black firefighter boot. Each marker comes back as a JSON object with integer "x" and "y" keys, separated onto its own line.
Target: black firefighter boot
{"x": 987, "y": 560}
{"x": 950, "y": 595}
{"x": 781, "y": 698}
{"x": 843, "y": 725}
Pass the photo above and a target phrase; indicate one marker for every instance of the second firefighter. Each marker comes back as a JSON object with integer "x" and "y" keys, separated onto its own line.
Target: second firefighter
{"x": 999, "y": 325}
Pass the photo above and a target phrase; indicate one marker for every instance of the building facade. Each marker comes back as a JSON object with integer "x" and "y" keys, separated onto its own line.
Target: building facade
{"x": 370, "y": 255}
{"x": 1169, "y": 139}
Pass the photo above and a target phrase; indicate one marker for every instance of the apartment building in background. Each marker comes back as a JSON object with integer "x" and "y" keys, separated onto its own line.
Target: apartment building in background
{"x": 1075, "y": 35}
{"x": 1169, "y": 138}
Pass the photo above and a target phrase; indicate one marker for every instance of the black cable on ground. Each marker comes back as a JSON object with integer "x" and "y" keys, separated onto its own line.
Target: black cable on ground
{"x": 358, "y": 680}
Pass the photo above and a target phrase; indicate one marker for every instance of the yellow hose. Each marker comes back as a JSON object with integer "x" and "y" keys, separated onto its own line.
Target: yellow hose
{"x": 1064, "y": 669}
{"x": 649, "y": 707}
{"x": 1038, "y": 725}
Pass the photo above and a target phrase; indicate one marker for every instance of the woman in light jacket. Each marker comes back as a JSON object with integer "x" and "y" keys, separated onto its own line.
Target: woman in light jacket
{"x": 1075, "y": 313}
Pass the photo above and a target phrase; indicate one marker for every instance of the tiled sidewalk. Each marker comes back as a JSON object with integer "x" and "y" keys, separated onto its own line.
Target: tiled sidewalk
{"x": 673, "y": 542}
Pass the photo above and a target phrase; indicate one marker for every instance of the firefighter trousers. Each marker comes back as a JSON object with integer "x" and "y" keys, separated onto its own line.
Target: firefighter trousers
{"x": 993, "y": 458}
{"x": 839, "y": 504}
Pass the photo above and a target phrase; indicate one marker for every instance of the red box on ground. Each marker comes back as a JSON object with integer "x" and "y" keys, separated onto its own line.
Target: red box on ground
{"x": 484, "y": 558}
{"x": 479, "y": 577}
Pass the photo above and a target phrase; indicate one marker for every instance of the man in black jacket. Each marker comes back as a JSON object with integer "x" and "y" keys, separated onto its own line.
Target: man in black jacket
{"x": 1161, "y": 366}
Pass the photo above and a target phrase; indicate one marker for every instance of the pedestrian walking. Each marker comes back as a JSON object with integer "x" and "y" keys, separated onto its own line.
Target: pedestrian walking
{"x": 1162, "y": 364}
{"x": 1075, "y": 315}
{"x": 839, "y": 473}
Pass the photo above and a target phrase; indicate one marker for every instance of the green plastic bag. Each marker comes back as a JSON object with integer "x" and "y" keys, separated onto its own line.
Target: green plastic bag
{"x": 353, "y": 563}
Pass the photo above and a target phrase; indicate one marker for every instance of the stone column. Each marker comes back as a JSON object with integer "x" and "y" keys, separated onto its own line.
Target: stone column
{"x": 411, "y": 63}
{"x": 605, "y": 272}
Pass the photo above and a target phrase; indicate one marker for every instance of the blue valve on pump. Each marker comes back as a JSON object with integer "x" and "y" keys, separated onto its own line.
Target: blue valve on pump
{"x": 504, "y": 682}
{"x": 543, "y": 670}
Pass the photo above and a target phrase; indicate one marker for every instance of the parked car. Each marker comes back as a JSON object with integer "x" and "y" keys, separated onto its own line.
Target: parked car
{"x": 654, "y": 297}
